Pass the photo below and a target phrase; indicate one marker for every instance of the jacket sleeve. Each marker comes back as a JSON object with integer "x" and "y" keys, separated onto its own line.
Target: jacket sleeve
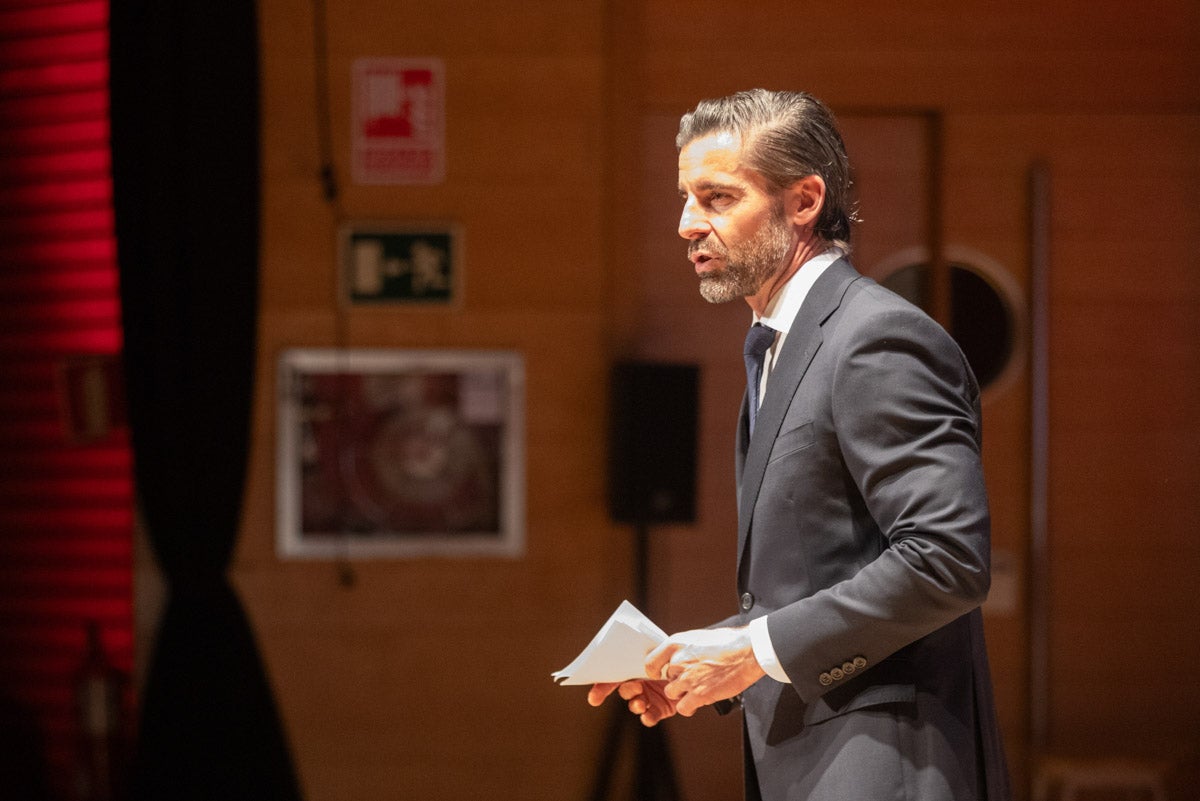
{"x": 905, "y": 409}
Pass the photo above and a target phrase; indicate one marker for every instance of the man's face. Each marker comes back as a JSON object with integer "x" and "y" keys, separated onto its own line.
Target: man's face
{"x": 738, "y": 237}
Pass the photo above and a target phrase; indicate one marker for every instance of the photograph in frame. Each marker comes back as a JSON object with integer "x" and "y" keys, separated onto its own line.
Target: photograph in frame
{"x": 398, "y": 453}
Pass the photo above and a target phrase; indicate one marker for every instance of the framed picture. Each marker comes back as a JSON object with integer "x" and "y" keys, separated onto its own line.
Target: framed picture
{"x": 414, "y": 264}
{"x": 398, "y": 453}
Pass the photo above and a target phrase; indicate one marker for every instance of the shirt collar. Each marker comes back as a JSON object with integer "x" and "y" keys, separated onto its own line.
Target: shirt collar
{"x": 782, "y": 309}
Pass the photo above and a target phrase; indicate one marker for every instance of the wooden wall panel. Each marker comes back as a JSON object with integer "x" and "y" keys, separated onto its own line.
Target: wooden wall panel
{"x": 429, "y": 678}
{"x": 561, "y": 169}
{"x": 1125, "y": 442}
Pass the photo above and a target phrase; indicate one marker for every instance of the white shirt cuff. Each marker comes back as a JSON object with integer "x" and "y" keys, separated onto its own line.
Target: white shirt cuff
{"x": 764, "y": 651}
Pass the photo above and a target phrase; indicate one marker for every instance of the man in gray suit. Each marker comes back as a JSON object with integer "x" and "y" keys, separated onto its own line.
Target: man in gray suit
{"x": 857, "y": 651}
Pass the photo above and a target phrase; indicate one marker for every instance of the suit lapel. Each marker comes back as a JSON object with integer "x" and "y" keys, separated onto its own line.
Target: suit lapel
{"x": 802, "y": 343}
{"x": 743, "y": 436}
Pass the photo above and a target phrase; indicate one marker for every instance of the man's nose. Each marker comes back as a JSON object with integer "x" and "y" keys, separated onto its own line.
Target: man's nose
{"x": 692, "y": 224}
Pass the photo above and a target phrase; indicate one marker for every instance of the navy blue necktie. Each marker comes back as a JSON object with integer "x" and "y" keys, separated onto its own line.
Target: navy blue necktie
{"x": 758, "y": 341}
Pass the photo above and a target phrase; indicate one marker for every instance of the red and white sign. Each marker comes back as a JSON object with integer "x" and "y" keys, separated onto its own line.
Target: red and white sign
{"x": 399, "y": 121}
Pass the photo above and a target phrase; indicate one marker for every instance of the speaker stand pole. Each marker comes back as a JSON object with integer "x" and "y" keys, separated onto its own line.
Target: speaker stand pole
{"x": 653, "y": 770}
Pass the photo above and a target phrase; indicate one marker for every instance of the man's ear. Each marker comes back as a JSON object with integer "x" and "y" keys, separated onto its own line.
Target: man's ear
{"x": 804, "y": 200}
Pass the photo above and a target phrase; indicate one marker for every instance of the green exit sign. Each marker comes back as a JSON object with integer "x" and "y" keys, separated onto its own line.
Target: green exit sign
{"x": 401, "y": 265}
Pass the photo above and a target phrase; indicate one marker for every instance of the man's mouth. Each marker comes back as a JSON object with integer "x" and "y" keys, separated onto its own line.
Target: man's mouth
{"x": 700, "y": 256}
{"x": 704, "y": 262}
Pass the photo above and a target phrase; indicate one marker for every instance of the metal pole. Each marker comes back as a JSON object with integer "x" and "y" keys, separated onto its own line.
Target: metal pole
{"x": 940, "y": 301}
{"x": 1039, "y": 535}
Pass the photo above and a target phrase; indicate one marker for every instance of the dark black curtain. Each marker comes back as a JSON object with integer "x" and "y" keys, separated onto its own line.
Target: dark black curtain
{"x": 185, "y": 130}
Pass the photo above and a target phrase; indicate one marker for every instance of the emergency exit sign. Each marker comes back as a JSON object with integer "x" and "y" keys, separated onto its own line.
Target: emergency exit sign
{"x": 401, "y": 265}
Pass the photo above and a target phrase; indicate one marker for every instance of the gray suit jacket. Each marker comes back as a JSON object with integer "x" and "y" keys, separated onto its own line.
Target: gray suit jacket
{"x": 863, "y": 535}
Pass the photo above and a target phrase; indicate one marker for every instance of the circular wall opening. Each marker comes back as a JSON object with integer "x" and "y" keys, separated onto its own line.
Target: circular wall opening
{"x": 982, "y": 320}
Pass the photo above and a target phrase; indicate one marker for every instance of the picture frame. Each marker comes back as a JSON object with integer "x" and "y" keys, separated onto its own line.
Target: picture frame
{"x": 400, "y": 453}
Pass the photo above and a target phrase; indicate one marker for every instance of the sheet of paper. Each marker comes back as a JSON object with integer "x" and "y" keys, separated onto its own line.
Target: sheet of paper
{"x": 617, "y": 652}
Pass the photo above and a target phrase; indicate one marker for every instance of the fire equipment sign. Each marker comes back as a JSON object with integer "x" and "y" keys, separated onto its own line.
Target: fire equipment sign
{"x": 399, "y": 121}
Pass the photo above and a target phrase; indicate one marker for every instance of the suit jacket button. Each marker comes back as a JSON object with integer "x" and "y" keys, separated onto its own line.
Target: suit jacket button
{"x": 848, "y": 668}
{"x": 747, "y": 601}
{"x": 860, "y": 662}
{"x": 825, "y": 679}
{"x": 837, "y": 674}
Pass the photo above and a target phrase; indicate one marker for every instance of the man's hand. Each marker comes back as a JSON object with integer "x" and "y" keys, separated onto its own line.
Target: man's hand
{"x": 704, "y": 666}
{"x": 646, "y": 699}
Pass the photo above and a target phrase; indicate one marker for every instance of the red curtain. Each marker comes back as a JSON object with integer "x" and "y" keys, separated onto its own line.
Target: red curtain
{"x": 65, "y": 487}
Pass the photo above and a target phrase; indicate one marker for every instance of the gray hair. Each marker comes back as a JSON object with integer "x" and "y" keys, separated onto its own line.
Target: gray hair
{"x": 785, "y": 136}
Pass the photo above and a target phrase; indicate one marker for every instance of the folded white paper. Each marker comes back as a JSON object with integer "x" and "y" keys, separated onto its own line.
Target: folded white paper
{"x": 617, "y": 652}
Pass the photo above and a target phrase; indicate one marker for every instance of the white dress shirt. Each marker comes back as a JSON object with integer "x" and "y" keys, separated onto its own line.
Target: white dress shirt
{"x": 780, "y": 312}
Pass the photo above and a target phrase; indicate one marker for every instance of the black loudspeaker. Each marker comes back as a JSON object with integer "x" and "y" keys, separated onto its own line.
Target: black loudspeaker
{"x": 652, "y": 443}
